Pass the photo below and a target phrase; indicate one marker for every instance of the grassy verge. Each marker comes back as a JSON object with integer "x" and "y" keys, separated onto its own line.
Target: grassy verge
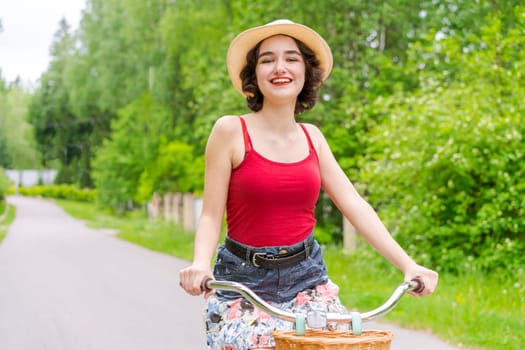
{"x": 475, "y": 310}
{"x": 7, "y": 219}
{"x": 158, "y": 235}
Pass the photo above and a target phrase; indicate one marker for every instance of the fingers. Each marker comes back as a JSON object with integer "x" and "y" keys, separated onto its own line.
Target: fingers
{"x": 188, "y": 282}
{"x": 191, "y": 279}
{"x": 428, "y": 278}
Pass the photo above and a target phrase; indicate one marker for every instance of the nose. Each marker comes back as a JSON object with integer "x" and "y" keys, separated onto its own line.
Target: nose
{"x": 280, "y": 66}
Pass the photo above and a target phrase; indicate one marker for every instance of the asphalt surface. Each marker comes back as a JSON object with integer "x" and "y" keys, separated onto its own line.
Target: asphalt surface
{"x": 64, "y": 286}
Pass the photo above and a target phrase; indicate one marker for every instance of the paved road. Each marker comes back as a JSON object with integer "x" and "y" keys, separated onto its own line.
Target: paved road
{"x": 64, "y": 286}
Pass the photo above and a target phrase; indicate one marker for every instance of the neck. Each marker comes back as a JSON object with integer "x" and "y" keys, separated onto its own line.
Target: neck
{"x": 278, "y": 116}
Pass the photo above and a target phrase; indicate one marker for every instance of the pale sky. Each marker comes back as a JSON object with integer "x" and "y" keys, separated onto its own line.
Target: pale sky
{"x": 28, "y": 29}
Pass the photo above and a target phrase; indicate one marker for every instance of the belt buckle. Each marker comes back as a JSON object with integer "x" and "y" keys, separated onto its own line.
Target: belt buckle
{"x": 254, "y": 256}
{"x": 262, "y": 255}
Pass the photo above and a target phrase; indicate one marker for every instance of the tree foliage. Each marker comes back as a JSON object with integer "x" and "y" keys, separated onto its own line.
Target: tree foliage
{"x": 132, "y": 148}
{"x": 62, "y": 135}
{"x": 4, "y": 184}
{"x": 447, "y": 166}
{"x": 423, "y": 109}
{"x": 17, "y": 143}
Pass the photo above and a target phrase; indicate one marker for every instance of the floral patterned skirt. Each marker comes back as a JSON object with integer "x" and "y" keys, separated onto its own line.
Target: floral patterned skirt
{"x": 238, "y": 325}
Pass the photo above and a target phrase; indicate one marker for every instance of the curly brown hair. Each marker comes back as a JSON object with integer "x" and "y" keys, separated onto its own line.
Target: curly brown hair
{"x": 312, "y": 80}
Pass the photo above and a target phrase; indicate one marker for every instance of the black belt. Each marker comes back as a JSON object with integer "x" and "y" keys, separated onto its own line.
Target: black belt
{"x": 271, "y": 261}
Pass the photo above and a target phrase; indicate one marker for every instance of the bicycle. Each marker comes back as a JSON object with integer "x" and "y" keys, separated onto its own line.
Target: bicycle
{"x": 316, "y": 329}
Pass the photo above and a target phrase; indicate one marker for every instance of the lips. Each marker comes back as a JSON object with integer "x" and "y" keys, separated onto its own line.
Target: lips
{"x": 281, "y": 81}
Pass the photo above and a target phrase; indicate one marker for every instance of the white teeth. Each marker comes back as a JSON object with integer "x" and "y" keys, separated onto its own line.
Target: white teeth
{"x": 280, "y": 81}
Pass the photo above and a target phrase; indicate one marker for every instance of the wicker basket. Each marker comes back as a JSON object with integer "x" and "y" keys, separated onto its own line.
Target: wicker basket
{"x": 331, "y": 340}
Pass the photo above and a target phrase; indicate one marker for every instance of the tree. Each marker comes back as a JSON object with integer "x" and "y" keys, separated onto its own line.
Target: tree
{"x": 121, "y": 160}
{"x": 17, "y": 144}
{"x": 62, "y": 136}
{"x": 446, "y": 167}
{"x": 4, "y": 184}
{"x": 5, "y": 158}
{"x": 155, "y": 71}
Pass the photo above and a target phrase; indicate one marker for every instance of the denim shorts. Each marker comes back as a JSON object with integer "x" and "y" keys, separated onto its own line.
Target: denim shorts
{"x": 275, "y": 285}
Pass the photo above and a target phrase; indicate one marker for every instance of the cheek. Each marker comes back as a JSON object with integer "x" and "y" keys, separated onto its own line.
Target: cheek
{"x": 300, "y": 74}
{"x": 261, "y": 71}
{"x": 300, "y": 79}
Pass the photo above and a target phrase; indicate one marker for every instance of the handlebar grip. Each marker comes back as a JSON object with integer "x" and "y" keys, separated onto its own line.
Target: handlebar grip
{"x": 204, "y": 284}
{"x": 417, "y": 285}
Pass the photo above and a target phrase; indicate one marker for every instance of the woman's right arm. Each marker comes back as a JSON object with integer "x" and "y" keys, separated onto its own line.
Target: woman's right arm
{"x": 219, "y": 154}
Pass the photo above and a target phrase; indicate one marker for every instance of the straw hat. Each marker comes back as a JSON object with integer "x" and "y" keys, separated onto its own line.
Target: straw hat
{"x": 244, "y": 42}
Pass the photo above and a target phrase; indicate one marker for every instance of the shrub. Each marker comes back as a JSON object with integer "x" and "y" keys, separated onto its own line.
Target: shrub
{"x": 4, "y": 184}
{"x": 447, "y": 167}
{"x": 175, "y": 170}
{"x": 69, "y": 192}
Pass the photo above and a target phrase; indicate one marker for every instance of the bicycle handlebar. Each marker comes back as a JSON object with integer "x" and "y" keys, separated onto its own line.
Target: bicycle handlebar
{"x": 316, "y": 319}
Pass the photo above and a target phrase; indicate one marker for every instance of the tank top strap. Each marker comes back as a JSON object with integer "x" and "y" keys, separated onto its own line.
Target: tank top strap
{"x": 247, "y": 140}
{"x": 310, "y": 143}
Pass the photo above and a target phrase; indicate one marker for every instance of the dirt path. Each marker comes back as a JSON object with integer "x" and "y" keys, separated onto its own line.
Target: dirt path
{"x": 64, "y": 286}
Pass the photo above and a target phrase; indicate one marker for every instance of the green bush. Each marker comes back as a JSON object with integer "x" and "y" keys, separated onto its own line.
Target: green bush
{"x": 4, "y": 184}
{"x": 128, "y": 166}
{"x": 174, "y": 170}
{"x": 69, "y": 192}
{"x": 447, "y": 167}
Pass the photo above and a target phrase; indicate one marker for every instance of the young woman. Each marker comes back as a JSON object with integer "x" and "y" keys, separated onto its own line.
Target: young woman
{"x": 266, "y": 171}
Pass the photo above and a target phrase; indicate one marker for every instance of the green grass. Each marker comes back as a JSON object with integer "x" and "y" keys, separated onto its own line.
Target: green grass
{"x": 476, "y": 311}
{"x": 158, "y": 235}
{"x": 7, "y": 219}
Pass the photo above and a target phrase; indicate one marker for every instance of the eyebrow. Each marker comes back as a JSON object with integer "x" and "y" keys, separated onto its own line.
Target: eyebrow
{"x": 288, "y": 52}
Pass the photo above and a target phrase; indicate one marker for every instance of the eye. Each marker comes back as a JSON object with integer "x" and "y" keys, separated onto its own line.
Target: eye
{"x": 294, "y": 58}
{"x": 265, "y": 60}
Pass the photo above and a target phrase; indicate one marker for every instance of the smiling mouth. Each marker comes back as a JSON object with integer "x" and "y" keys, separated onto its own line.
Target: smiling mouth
{"x": 281, "y": 81}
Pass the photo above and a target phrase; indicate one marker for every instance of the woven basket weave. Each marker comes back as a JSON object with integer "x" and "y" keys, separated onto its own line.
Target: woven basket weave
{"x": 332, "y": 340}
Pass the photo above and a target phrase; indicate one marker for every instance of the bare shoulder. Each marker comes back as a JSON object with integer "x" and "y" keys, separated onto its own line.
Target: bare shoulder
{"x": 226, "y": 138}
{"x": 227, "y": 124}
{"x": 315, "y": 134}
{"x": 225, "y": 128}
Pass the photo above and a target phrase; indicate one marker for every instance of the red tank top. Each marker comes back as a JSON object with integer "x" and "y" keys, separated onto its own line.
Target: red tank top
{"x": 272, "y": 203}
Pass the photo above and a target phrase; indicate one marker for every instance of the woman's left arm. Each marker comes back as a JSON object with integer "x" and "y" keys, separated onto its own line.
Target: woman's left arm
{"x": 364, "y": 218}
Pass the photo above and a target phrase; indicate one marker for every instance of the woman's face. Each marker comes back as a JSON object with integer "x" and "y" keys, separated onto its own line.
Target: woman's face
{"x": 280, "y": 68}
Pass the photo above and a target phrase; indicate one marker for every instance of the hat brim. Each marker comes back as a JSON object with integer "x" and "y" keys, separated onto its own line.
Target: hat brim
{"x": 244, "y": 42}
